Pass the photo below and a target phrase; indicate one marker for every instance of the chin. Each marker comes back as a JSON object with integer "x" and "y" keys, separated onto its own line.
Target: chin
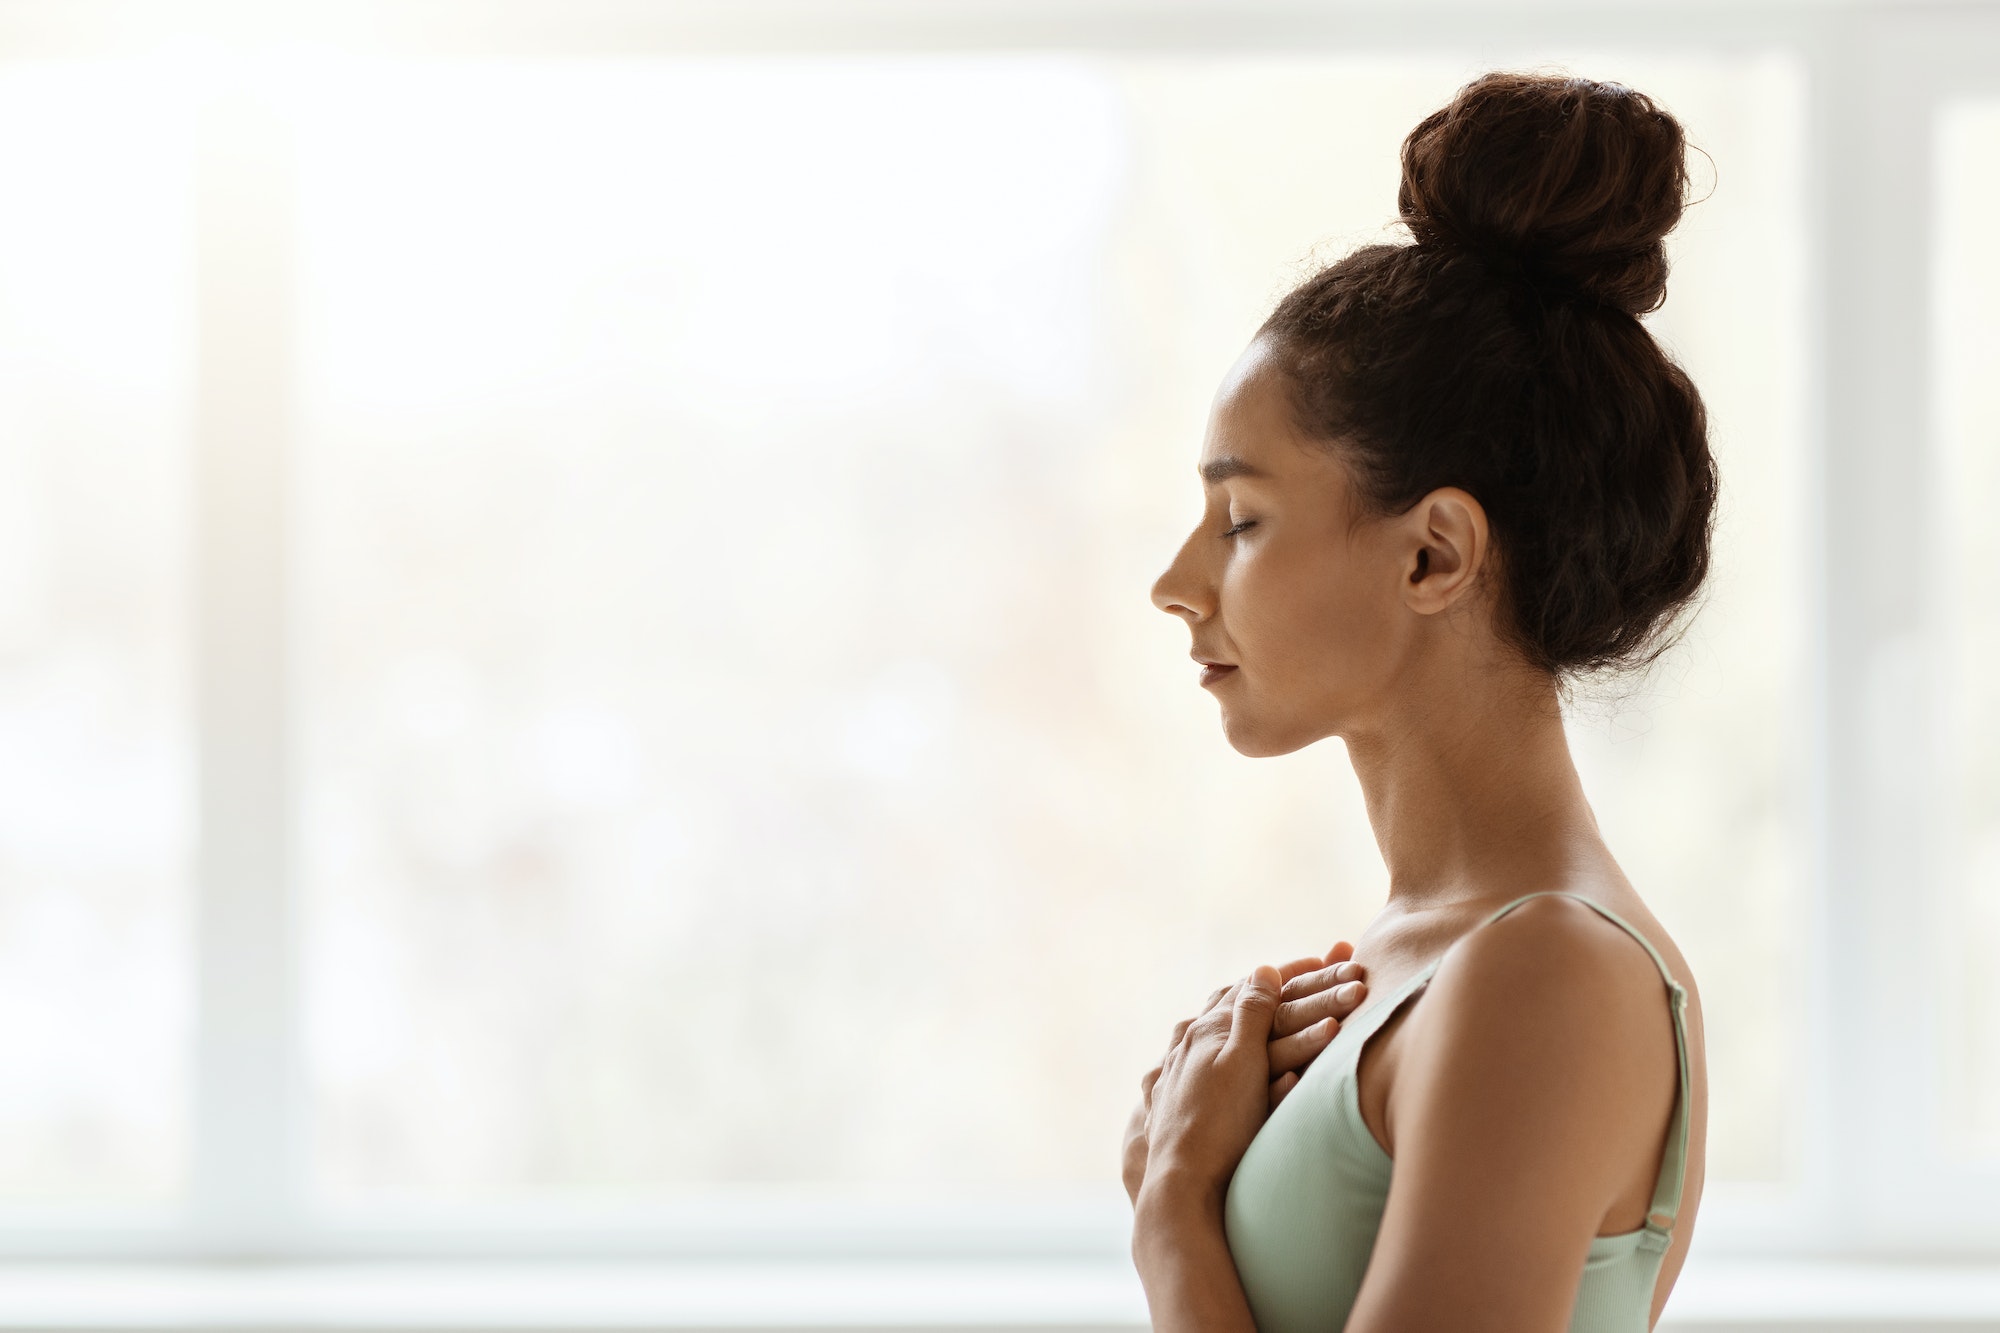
{"x": 1255, "y": 740}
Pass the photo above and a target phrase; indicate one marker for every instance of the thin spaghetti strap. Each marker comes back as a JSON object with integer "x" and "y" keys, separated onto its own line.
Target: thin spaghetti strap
{"x": 1673, "y": 1163}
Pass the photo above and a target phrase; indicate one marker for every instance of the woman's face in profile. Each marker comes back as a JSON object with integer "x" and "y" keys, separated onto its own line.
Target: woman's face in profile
{"x": 1296, "y": 601}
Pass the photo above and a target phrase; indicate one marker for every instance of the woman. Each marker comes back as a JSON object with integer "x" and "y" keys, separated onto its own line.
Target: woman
{"x": 1445, "y": 477}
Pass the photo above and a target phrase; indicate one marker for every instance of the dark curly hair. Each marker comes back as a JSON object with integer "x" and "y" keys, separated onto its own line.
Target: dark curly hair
{"x": 1502, "y": 353}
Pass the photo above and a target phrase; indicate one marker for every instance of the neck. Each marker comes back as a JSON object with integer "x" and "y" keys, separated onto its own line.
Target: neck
{"x": 1472, "y": 793}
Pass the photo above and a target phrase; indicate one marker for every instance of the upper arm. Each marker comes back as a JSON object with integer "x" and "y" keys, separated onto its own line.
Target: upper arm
{"x": 1538, "y": 1068}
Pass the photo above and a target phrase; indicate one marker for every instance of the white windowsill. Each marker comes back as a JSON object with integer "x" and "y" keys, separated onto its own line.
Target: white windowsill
{"x": 431, "y": 1297}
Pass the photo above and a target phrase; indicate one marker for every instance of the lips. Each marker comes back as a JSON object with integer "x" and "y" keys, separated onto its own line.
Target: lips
{"x": 1215, "y": 671}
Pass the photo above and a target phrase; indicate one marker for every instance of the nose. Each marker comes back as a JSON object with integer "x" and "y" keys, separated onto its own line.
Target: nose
{"x": 1181, "y": 591}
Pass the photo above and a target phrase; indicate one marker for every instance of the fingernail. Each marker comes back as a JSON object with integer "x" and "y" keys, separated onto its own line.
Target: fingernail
{"x": 1349, "y": 992}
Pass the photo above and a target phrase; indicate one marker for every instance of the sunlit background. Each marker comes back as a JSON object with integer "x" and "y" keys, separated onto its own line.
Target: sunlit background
{"x": 720, "y": 744}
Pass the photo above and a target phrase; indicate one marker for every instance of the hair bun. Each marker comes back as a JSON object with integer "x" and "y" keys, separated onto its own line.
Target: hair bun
{"x": 1569, "y": 182}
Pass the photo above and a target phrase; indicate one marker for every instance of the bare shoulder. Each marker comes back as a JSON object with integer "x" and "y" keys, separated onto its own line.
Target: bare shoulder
{"x": 1557, "y": 954}
{"x": 1554, "y": 1021}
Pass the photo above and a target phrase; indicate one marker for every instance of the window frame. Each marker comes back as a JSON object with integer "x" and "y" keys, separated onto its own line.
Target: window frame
{"x": 1872, "y": 1180}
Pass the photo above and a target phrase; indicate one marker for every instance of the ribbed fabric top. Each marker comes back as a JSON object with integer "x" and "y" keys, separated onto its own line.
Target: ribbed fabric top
{"x": 1306, "y": 1201}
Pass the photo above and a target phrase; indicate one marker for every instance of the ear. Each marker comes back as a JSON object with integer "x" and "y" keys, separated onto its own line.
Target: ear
{"x": 1447, "y": 537}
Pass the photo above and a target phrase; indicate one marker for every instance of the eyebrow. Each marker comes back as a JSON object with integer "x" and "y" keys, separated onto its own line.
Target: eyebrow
{"x": 1221, "y": 469}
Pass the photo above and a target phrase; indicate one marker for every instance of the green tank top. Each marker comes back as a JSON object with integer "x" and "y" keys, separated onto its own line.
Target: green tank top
{"x": 1307, "y": 1198}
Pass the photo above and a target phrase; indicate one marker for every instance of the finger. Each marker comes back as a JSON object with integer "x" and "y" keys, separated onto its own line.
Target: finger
{"x": 1340, "y": 952}
{"x": 1297, "y": 1015}
{"x": 1295, "y": 1052}
{"x": 1311, "y": 983}
{"x": 1299, "y": 967}
{"x": 1281, "y": 1086}
{"x": 1214, "y": 1022}
{"x": 1218, "y": 1007}
{"x": 1146, "y": 1082}
{"x": 1180, "y": 1030}
{"x": 1132, "y": 1167}
{"x": 1255, "y": 1002}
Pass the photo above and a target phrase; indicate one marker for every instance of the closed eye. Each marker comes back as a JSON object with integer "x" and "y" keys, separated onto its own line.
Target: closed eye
{"x": 1246, "y": 523}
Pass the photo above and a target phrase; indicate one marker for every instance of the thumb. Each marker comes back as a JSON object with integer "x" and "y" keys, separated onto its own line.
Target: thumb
{"x": 1256, "y": 1006}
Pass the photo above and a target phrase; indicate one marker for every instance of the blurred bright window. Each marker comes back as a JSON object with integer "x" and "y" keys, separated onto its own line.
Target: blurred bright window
{"x": 1968, "y": 604}
{"x": 96, "y": 754}
{"x": 738, "y": 746}
{"x": 717, "y": 750}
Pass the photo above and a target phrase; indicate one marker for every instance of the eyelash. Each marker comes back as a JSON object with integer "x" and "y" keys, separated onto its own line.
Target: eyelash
{"x": 1246, "y": 523}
